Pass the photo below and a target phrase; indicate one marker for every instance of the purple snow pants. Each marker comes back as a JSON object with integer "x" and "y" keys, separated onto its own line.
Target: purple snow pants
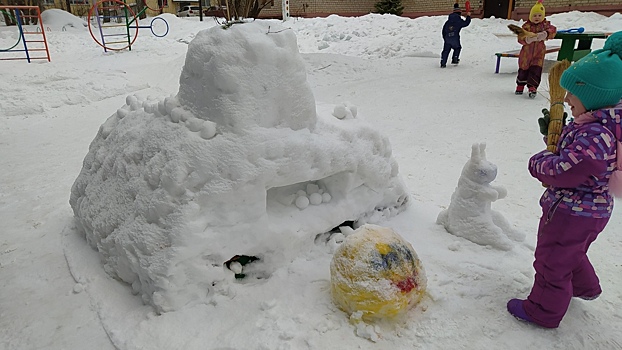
{"x": 563, "y": 269}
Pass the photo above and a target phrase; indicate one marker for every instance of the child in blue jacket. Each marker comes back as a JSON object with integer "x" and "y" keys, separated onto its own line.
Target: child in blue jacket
{"x": 451, "y": 35}
{"x": 577, "y": 204}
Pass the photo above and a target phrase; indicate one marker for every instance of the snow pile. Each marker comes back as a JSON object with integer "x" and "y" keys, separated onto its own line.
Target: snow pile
{"x": 56, "y": 19}
{"x": 376, "y": 274}
{"x": 469, "y": 214}
{"x": 239, "y": 163}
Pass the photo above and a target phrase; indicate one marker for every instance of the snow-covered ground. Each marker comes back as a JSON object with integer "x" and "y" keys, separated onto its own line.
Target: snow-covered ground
{"x": 55, "y": 293}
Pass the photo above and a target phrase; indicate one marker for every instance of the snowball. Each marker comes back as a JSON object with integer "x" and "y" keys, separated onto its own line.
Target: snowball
{"x": 367, "y": 331}
{"x": 187, "y": 115}
{"x": 135, "y": 104}
{"x": 130, "y": 99}
{"x": 346, "y": 230}
{"x": 136, "y": 286}
{"x": 302, "y": 202}
{"x": 236, "y": 267}
{"x": 315, "y": 198}
{"x": 286, "y": 199}
{"x": 376, "y": 272}
{"x": 312, "y": 188}
{"x": 149, "y": 106}
{"x": 170, "y": 103}
{"x": 301, "y": 193}
{"x": 353, "y": 110}
{"x": 268, "y": 304}
{"x": 162, "y": 108}
{"x": 454, "y": 246}
{"x": 194, "y": 124}
{"x": 209, "y": 130}
{"x": 78, "y": 288}
{"x": 176, "y": 114}
{"x": 337, "y": 237}
{"x": 340, "y": 112}
{"x": 121, "y": 113}
{"x": 326, "y": 197}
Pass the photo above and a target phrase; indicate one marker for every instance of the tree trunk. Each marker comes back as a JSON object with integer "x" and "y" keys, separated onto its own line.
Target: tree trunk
{"x": 140, "y": 5}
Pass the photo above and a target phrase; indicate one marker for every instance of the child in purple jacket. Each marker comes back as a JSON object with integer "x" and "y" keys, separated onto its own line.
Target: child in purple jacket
{"x": 577, "y": 204}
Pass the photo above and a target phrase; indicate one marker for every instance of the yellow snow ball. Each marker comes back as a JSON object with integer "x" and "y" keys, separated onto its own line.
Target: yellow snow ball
{"x": 376, "y": 272}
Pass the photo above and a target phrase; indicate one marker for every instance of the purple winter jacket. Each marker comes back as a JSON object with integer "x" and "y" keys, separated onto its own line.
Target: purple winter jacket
{"x": 578, "y": 177}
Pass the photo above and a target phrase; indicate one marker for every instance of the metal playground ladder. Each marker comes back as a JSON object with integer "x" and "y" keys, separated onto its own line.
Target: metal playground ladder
{"x": 32, "y": 41}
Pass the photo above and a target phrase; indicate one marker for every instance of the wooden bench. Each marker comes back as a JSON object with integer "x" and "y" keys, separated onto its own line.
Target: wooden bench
{"x": 514, "y": 53}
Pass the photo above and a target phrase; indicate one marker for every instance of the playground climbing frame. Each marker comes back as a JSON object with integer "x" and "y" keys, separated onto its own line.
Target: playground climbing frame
{"x": 33, "y": 43}
{"x": 115, "y": 24}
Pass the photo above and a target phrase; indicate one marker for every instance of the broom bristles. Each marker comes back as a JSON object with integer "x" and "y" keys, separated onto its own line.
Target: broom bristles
{"x": 520, "y": 32}
{"x": 556, "y": 110}
{"x": 556, "y": 93}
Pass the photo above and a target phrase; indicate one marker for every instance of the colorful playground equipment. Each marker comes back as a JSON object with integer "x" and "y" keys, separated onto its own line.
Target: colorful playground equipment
{"x": 115, "y": 23}
{"x": 22, "y": 16}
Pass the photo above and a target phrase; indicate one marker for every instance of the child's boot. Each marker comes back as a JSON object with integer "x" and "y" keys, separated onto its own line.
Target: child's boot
{"x": 455, "y": 60}
{"x": 516, "y": 309}
{"x": 519, "y": 89}
{"x": 532, "y": 92}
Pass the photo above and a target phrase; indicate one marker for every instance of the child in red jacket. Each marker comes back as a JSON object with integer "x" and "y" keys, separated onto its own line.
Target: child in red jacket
{"x": 531, "y": 57}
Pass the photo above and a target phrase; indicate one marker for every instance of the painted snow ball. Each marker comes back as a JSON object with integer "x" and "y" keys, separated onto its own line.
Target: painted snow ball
{"x": 376, "y": 272}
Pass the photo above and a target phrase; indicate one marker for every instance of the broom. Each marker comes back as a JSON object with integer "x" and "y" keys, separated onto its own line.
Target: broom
{"x": 556, "y": 110}
{"x": 520, "y": 32}
{"x": 556, "y": 93}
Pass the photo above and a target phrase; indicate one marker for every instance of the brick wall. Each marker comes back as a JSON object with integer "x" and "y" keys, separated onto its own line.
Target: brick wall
{"x": 312, "y": 8}
{"x": 604, "y": 7}
{"x": 417, "y": 8}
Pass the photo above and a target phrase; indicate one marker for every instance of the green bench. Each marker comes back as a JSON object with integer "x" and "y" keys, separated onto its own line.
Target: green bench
{"x": 583, "y": 42}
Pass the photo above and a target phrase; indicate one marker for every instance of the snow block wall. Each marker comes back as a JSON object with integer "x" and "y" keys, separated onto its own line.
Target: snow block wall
{"x": 241, "y": 162}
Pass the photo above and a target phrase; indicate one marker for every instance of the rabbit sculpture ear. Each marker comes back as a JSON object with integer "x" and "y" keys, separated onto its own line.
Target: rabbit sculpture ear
{"x": 482, "y": 150}
{"x": 478, "y": 151}
{"x": 475, "y": 152}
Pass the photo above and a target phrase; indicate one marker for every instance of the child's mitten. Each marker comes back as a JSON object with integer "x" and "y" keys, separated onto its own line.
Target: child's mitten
{"x": 544, "y": 121}
{"x": 542, "y": 36}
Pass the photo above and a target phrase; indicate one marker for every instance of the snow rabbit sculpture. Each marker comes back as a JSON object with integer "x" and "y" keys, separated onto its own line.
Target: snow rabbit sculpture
{"x": 469, "y": 214}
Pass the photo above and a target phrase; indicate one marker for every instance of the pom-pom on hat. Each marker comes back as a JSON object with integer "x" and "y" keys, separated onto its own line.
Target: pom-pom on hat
{"x": 537, "y": 8}
{"x": 596, "y": 79}
{"x": 456, "y": 7}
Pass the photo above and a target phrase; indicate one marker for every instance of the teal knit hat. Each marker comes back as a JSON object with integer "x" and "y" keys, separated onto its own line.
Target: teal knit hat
{"x": 596, "y": 79}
